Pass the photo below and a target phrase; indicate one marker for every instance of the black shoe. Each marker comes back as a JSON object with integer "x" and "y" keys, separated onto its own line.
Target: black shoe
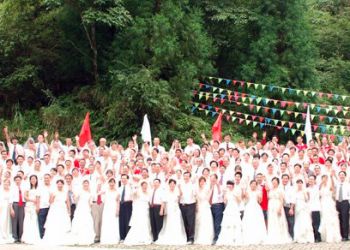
{"x": 318, "y": 240}
{"x": 17, "y": 241}
{"x": 96, "y": 241}
{"x": 344, "y": 239}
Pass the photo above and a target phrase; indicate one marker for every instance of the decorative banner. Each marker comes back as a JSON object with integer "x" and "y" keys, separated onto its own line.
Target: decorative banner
{"x": 256, "y": 108}
{"x": 336, "y": 109}
{"x": 213, "y": 110}
{"x": 261, "y": 124}
{"x": 272, "y": 87}
{"x": 251, "y": 102}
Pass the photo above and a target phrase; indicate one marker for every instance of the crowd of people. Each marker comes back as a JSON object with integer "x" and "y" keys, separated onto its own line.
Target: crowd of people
{"x": 224, "y": 193}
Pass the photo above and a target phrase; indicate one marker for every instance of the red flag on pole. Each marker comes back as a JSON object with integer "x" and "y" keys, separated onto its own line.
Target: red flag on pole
{"x": 85, "y": 132}
{"x": 216, "y": 129}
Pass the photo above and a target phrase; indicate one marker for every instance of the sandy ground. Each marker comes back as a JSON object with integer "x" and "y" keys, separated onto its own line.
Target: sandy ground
{"x": 318, "y": 246}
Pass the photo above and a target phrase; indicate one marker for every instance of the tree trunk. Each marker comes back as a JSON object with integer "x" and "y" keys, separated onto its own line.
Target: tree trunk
{"x": 90, "y": 32}
{"x": 94, "y": 52}
{"x": 157, "y": 6}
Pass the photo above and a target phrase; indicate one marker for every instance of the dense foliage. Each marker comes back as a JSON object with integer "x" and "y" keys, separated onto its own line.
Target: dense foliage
{"x": 121, "y": 59}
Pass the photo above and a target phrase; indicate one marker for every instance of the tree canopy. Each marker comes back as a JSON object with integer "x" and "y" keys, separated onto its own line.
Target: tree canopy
{"x": 121, "y": 59}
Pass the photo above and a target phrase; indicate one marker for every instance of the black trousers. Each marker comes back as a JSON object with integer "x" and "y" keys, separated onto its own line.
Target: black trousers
{"x": 124, "y": 218}
{"x": 72, "y": 211}
{"x": 17, "y": 221}
{"x": 316, "y": 218}
{"x": 188, "y": 212}
{"x": 343, "y": 210}
{"x": 156, "y": 221}
{"x": 290, "y": 221}
{"x": 241, "y": 214}
{"x": 41, "y": 220}
{"x": 217, "y": 211}
{"x": 265, "y": 216}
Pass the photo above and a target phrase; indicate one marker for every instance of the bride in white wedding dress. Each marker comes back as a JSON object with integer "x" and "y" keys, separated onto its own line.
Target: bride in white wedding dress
{"x": 173, "y": 231}
{"x": 204, "y": 233}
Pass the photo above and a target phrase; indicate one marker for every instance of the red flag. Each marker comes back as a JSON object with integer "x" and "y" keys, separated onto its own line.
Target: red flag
{"x": 216, "y": 129}
{"x": 85, "y": 133}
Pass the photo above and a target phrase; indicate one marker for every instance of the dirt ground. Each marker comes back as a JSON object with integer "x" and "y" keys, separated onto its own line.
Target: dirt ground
{"x": 318, "y": 246}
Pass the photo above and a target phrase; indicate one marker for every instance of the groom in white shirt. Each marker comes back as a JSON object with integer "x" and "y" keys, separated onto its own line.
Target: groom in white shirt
{"x": 343, "y": 197}
{"x": 44, "y": 203}
{"x": 217, "y": 205}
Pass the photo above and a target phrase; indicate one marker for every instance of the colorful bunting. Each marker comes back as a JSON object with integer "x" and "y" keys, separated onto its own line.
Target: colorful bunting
{"x": 322, "y": 112}
{"x": 273, "y": 110}
{"x": 272, "y": 87}
{"x": 326, "y": 107}
{"x": 324, "y": 128}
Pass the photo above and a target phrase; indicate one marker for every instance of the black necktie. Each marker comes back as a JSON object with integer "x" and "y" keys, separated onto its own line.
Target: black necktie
{"x": 14, "y": 153}
{"x": 123, "y": 195}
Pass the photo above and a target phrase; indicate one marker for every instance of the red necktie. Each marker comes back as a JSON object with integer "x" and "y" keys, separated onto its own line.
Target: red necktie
{"x": 20, "y": 199}
{"x": 99, "y": 200}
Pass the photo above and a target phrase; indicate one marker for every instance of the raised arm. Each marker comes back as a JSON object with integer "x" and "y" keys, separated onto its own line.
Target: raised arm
{"x": 204, "y": 139}
{"x": 134, "y": 139}
{"x": 46, "y": 134}
{"x": 7, "y": 137}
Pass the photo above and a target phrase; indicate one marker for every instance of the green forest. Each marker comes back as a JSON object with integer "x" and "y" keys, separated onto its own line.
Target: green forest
{"x": 121, "y": 59}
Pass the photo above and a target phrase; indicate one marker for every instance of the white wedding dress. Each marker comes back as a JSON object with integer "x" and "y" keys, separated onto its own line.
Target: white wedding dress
{"x": 58, "y": 224}
{"x": 30, "y": 224}
{"x": 204, "y": 233}
{"x": 303, "y": 231}
{"x": 173, "y": 231}
{"x": 82, "y": 232}
{"x": 231, "y": 225}
{"x": 140, "y": 231}
{"x": 254, "y": 229}
{"x": 329, "y": 227}
{"x": 277, "y": 232}
{"x": 110, "y": 219}
{"x": 5, "y": 219}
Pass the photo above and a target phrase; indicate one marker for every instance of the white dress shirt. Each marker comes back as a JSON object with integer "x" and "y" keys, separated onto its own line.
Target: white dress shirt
{"x": 188, "y": 193}
{"x": 19, "y": 150}
{"x": 41, "y": 149}
{"x": 127, "y": 194}
{"x": 289, "y": 195}
{"x": 156, "y": 196}
{"x": 160, "y": 148}
{"x": 314, "y": 202}
{"x": 190, "y": 149}
{"x": 238, "y": 190}
{"x": 226, "y": 145}
{"x": 346, "y": 191}
{"x": 24, "y": 167}
{"x": 14, "y": 193}
{"x": 44, "y": 194}
{"x": 218, "y": 194}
